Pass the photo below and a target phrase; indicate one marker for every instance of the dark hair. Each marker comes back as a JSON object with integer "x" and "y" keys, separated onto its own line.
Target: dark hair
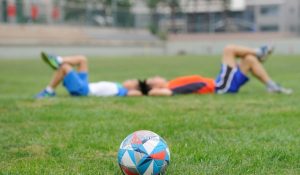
{"x": 144, "y": 88}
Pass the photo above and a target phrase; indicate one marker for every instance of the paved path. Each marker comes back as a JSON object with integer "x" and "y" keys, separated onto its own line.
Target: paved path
{"x": 283, "y": 47}
{"x": 12, "y": 52}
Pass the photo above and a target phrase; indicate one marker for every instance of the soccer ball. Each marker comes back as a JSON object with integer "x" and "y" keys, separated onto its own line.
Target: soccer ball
{"x": 143, "y": 153}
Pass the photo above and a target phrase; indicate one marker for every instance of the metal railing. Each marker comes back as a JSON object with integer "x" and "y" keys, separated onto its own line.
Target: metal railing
{"x": 96, "y": 14}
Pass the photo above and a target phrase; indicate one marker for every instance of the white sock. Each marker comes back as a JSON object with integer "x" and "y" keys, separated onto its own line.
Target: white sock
{"x": 49, "y": 89}
{"x": 258, "y": 52}
{"x": 272, "y": 85}
{"x": 59, "y": 59}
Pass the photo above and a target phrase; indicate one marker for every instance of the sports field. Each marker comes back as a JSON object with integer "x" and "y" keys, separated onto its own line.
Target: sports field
{"x": 252, "y": 132}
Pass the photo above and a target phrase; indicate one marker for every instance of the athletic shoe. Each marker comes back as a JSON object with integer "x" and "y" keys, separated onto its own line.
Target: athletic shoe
{"x": 280, "y": 90}
{"x": 264, "y": 51}
{"x": 51, "y": 60}
{"x": 44, "y": 93}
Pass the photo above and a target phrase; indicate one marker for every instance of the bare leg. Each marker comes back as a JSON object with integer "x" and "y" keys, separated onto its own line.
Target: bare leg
{"x": 59, "y": 75}
{"x": 231, "y": 52}
{"x": 79, "y": 61}
{"x": 65, "y": 65}
{"x": 251, "y": 63}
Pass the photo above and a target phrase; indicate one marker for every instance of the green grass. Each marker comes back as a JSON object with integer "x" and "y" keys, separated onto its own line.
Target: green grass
{"x": 252, "y": 132}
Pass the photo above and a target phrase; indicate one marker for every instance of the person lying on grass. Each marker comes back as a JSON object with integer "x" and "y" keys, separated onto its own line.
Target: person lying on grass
{"x": 232, "y": 77}
{"x": 76, "y": 81}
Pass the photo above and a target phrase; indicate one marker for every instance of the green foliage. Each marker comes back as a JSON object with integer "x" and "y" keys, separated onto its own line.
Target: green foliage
{"x": 252, "y": 132}
{"x": 172, "y": 3}
{"x": 153, "y": 29}
{"x": 152, "y": 4}
{"x": 119, "y": 9}
{"x": 119, "y": 3}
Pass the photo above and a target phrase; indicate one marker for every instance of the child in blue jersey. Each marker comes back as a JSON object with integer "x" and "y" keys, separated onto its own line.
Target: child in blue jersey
{"x": 76, "y": 80}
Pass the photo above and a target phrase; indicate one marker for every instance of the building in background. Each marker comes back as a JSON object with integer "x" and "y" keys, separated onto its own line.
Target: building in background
{"x": 188, "y": 16}
{"x": 238, "y": 16}
{"x": 141, "y": 14}
{"x": 276, "y": 15}
{"x": 31, "y": 11}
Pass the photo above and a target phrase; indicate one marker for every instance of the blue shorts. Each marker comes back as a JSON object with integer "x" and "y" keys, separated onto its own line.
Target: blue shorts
{"x": 77, "y": 83}
{"x": 230, "y": 80}
{"x": 122, "y": 92}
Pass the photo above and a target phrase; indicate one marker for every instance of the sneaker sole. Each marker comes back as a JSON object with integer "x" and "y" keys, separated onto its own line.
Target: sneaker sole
{"x": 46, "y": 60}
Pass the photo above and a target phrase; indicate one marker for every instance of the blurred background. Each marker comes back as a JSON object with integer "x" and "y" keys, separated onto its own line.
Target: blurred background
{"x": 145, "y": 27}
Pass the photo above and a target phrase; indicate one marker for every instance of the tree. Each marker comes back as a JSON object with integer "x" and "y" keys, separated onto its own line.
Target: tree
{"x": 152, "y": 5}
{"x": 173, "y": 5}
{"x": 119, "y": 9}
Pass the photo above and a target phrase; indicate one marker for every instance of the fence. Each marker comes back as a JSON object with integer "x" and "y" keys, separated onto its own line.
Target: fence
{"x": 60, "y": 12}
{"x": 254, "y": 18}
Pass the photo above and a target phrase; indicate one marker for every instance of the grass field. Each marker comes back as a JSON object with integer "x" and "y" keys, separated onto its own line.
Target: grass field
{"x": 252, "y": 132}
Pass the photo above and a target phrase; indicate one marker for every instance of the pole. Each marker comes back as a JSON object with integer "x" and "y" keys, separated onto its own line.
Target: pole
{"x": 210, "y": 16}
{"x": 114, "y": 8}
{"x": 226, "y": 14}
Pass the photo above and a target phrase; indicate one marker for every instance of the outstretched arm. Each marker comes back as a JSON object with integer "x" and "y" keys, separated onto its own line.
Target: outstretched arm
{"x": 160, "y": 92}
{"x": 134, "y": 93}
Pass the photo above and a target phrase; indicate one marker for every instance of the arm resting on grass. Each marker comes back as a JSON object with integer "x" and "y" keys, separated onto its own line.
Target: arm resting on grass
{"x": 160, "y": 92}
{"x": 134, "y": 93}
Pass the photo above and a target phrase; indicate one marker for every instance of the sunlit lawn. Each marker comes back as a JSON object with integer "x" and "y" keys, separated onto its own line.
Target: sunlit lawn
{"x": 252, "y": 132}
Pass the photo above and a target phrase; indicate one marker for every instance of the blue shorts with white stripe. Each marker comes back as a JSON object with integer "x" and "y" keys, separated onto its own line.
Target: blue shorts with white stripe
{"x": 230, "y": 80}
